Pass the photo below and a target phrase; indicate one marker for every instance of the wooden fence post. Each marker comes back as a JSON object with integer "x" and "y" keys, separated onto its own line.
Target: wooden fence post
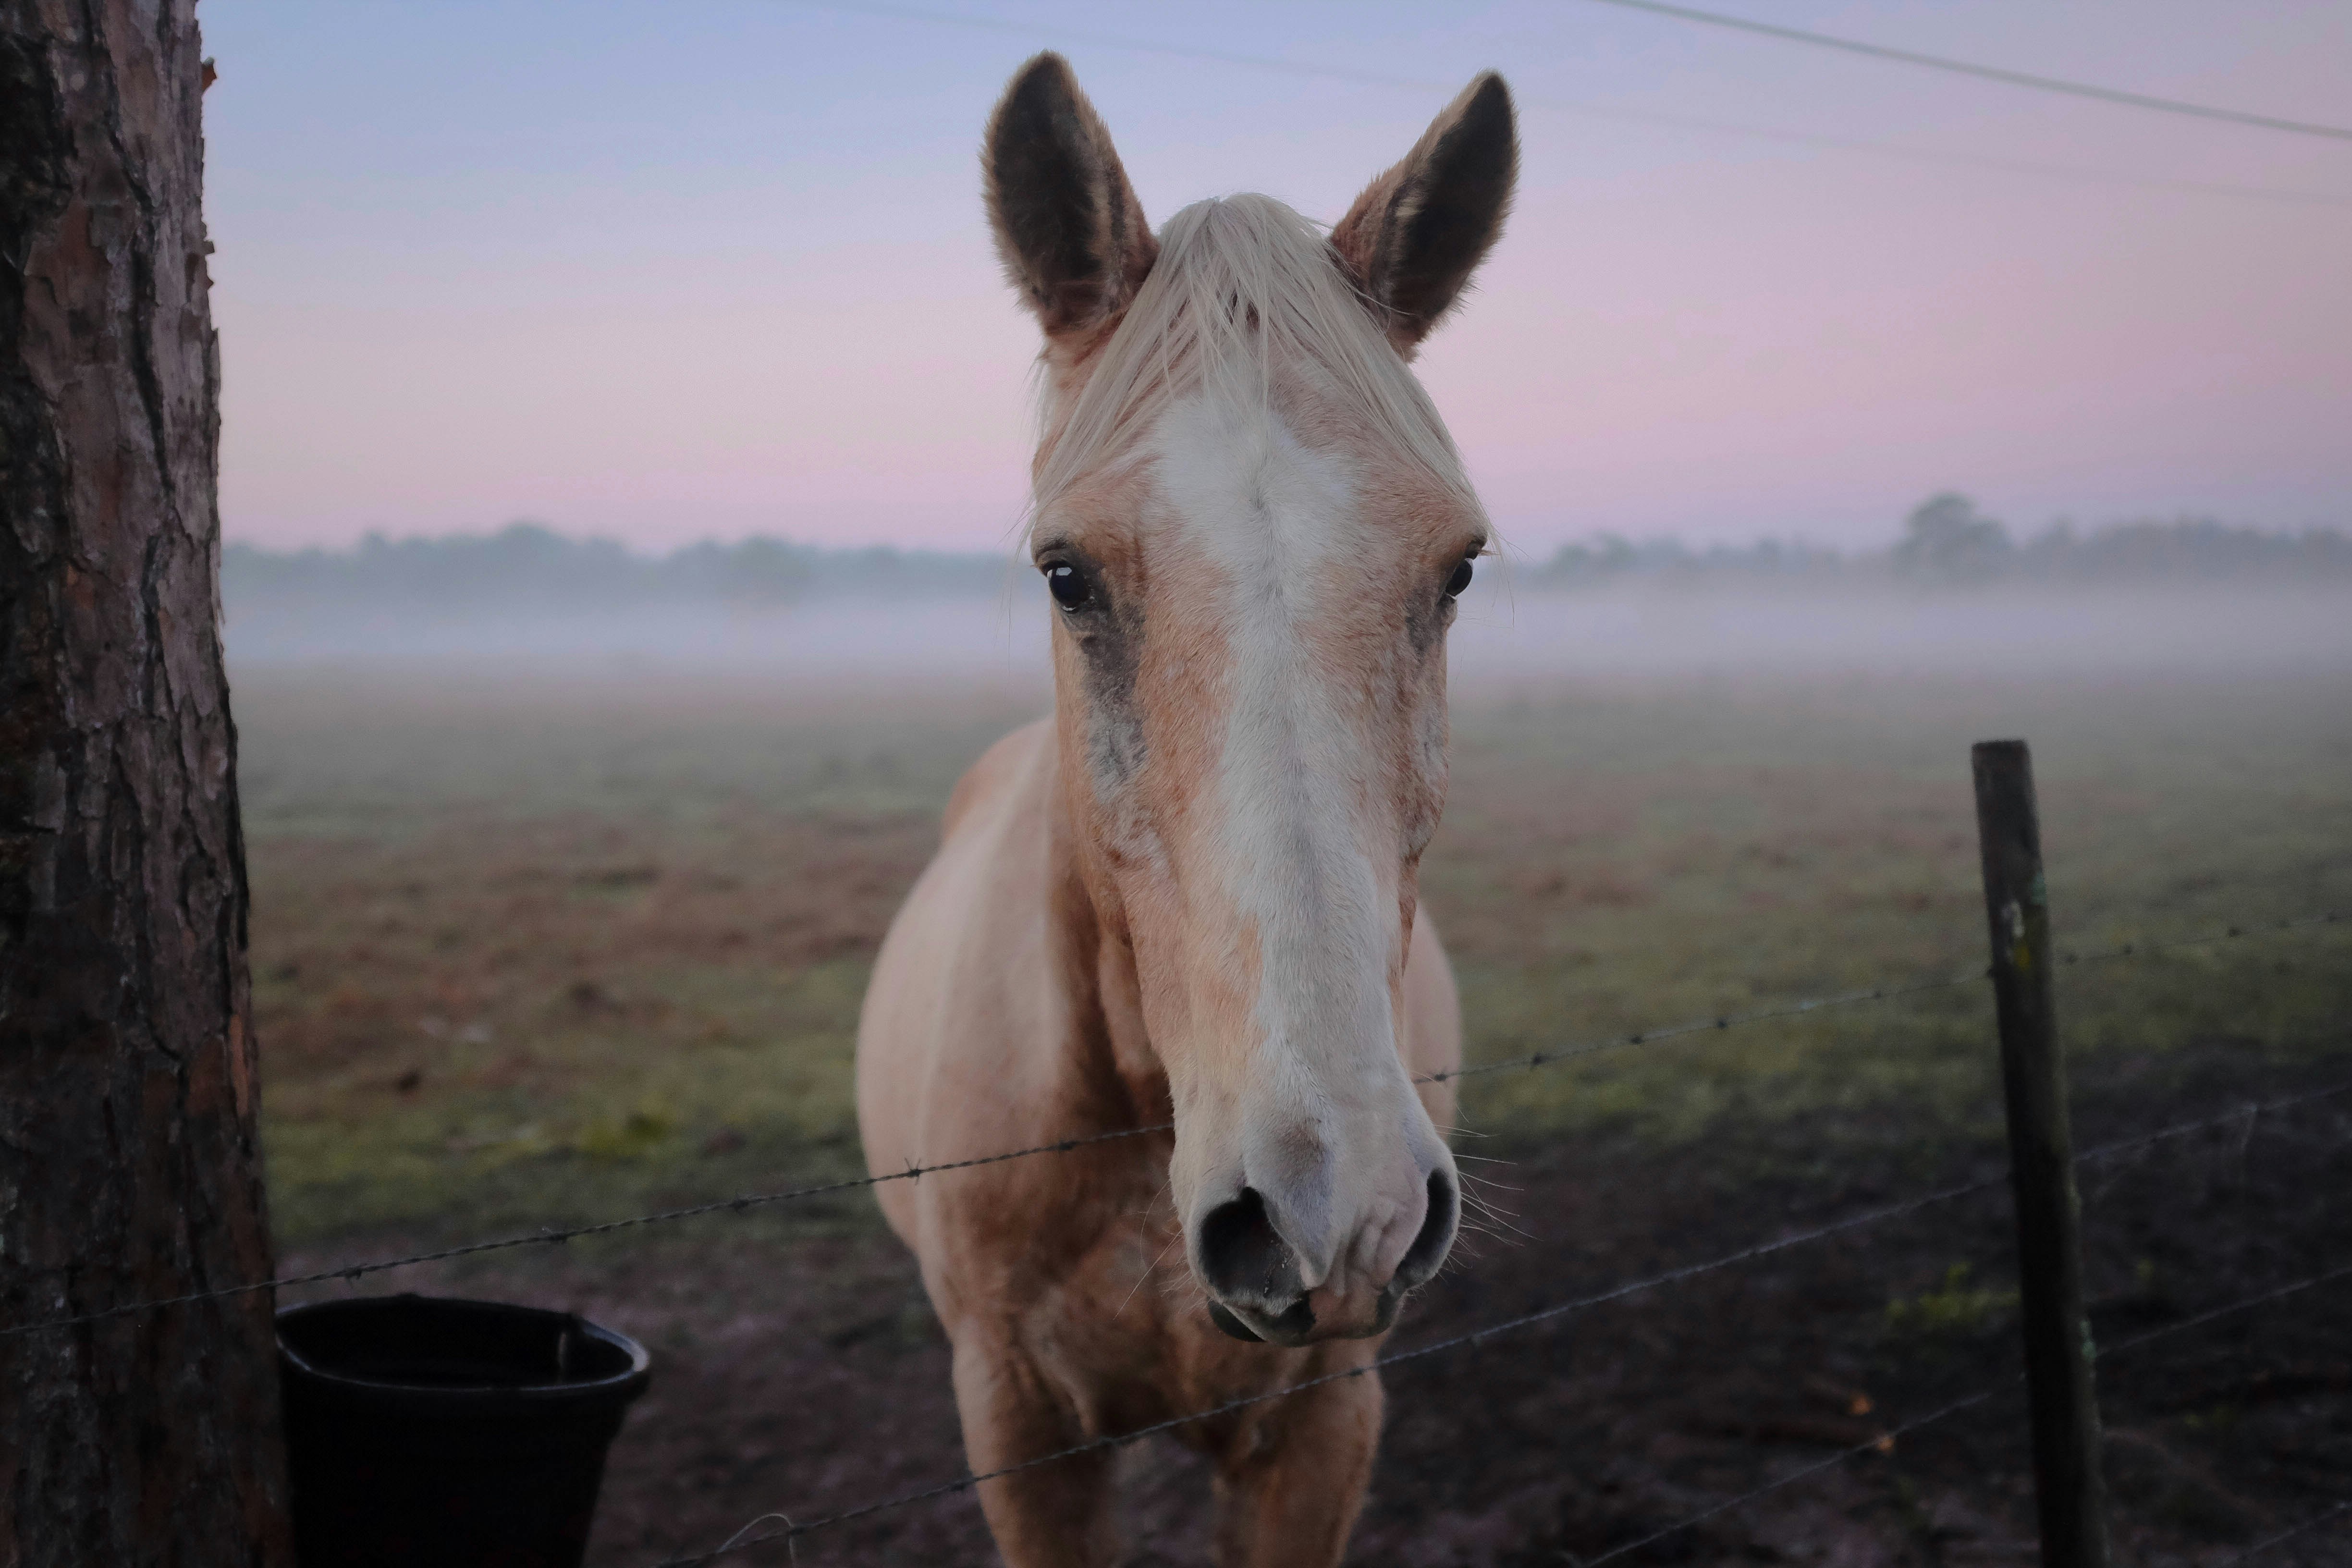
{"x": 2068, "y": 1489}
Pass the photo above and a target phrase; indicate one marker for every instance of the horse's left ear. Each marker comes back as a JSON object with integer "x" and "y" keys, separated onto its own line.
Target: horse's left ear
{"x": 1417, "y": 233}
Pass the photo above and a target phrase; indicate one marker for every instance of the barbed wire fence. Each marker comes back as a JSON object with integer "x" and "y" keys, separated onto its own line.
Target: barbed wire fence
{"x": 1470, "y": 1339}
{"x": 744, "y": 1201}
{"x": 792, "y": 1530}
{"x": 2316, "y": 1522}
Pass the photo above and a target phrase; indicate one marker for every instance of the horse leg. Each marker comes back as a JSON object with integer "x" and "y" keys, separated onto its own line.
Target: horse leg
{"x": 1289, "y": 1486}
{"x": 1056, "y": 1515}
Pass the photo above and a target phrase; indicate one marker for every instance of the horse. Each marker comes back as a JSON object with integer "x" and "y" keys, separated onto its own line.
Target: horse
{"x": 1184, "y": 906}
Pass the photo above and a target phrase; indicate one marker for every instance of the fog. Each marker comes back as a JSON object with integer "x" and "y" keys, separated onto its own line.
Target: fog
{"x": 1504, "y": 634}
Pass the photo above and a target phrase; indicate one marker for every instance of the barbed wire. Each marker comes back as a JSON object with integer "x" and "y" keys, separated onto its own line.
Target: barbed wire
{"x": 2229, "y": 932}
{"x": 1397, "y": 1358}
{"x": 1706, "y": 1025}
{"x": 556, "y": 1236}
{"x": 1882, "y": 1442}
{"x": 1879, "y": 1215}
{"x": 553, "y": 1235}
{"x": 2250, "y": 1109}
{"x": 2199, "y": 1320}
{"x": 1882, "y": 993}
{"x": 1879, "y": 1444}
{"x": 2283, "y": 1536}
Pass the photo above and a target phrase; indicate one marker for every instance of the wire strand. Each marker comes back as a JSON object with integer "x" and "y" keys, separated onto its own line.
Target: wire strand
{"x": 2283, "y": 1536}
{"x": 2136, "y": 1342}
{"x": 556, "y": 1236}
{"x": 1436, "y": 1347}
{"x": 1671, "y": 1277}
{"x": 1880, "y": 1442}
{"x": 553, "y": 1235}
{"x": 1989, "y": 73}
{"x": 1703, "y": 1026}
{"x": 1882, "y": 993}
{"x": 1898, "y": 151}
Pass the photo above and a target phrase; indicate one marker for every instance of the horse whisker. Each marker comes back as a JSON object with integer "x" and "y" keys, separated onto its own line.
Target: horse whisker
{"x": 1150, "y": 1270}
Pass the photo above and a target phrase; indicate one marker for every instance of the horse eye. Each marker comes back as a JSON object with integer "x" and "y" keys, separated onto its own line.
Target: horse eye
{"x": 1067, "y": 585}
{"x": 1459, "y": 582}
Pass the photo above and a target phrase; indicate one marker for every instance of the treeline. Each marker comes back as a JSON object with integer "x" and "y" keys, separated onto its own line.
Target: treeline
{"x": 1947, "y": 542}
{"x": 529, "y": 566}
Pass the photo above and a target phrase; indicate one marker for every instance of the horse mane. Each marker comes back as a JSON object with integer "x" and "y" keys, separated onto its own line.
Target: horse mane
{"x": 1244, "y": 291}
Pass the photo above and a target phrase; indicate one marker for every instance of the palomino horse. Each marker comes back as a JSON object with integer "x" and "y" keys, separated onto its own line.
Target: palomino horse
{"x": 1189, "y": 896}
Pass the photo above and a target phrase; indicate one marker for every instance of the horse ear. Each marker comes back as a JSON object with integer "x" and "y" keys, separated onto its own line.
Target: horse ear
{"x": 1417, "y": 233}
{"x": 1067, "y": 223}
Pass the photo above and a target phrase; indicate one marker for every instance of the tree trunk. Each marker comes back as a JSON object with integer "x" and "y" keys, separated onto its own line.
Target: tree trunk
{"x": 128, "y": 1167}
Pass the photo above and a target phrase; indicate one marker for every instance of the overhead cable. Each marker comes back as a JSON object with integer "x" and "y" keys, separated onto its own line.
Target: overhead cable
{"x": 1316, "y": 71}
{"x": 1989, "y": 73}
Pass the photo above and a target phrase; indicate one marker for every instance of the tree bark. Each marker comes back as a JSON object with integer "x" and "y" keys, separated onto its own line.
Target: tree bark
{"x": 129, "y": 1165}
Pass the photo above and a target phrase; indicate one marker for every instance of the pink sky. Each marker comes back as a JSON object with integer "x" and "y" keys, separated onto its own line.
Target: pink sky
{"x": 666, "y": 273}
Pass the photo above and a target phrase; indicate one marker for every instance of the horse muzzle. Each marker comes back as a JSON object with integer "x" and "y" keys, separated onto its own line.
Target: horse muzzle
{"x": 1256, "y": 1292}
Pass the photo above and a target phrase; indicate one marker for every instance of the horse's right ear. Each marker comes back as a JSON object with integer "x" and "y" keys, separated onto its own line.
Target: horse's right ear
{"x": 1067, "y": 224}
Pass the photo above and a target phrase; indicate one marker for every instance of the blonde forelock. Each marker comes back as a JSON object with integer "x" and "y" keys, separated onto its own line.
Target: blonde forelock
{"x": 1245, "y": 293}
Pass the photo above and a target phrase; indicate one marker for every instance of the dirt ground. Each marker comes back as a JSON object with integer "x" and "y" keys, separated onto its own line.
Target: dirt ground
{"x": 807, "y": 1377}
{"x": 531, "y": 956}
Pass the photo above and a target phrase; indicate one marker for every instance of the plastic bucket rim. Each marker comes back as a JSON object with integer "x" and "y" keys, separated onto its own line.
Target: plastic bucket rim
{"x": 627, "y": 1384}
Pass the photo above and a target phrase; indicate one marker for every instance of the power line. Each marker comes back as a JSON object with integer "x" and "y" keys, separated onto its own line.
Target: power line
{"x": 1311, "y": 70}
{"x": 1989, "y": 73}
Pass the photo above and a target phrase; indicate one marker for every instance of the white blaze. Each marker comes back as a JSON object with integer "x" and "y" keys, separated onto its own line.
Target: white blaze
{"x": 1278, "y": 517}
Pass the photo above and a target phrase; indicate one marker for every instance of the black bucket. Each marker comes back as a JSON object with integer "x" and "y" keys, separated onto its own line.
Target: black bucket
{"x": 460, "y": 1434}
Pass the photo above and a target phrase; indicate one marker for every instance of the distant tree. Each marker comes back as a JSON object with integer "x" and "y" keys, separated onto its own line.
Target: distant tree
{"x": 130, "y": 1167}
{"x": 528, "y": 569}
{"x": 527, "y": 566}
{"x": 1608, "y": 557}
{"x": 2189, "y": 551}
{"x": 1605, "y": 558}
{"x": 1946, "y": 540}
{"x": 764, "y": 571}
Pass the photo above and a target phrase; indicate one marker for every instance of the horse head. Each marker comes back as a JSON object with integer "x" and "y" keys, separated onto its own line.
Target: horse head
{"x": 1254, "y": 529}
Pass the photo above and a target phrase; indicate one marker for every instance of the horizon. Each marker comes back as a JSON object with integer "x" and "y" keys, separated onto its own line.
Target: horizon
{"x": 1008, "y": 551}
{"x": 720, "y": 271}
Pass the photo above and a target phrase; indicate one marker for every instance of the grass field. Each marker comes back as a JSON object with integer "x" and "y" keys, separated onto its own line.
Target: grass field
{"x": 531, "y": 950}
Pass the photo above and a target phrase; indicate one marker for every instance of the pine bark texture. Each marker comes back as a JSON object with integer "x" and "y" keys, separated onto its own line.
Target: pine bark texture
{"x": 129, "y": 1165}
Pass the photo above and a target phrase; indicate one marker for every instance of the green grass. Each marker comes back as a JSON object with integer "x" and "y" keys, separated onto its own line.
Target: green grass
{"x": 1619, "y": 861}
{"x": 763, "y": 1088}
{"x": 532, "y": 953}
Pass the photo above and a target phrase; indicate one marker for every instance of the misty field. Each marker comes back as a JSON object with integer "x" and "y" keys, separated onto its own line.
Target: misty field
{"x": 535, "y": 949}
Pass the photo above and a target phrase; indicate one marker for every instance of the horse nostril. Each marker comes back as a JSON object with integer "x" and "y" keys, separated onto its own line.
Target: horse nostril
{"x": 1428, "y": 1248}
{"x": 1243, "y": 1258}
